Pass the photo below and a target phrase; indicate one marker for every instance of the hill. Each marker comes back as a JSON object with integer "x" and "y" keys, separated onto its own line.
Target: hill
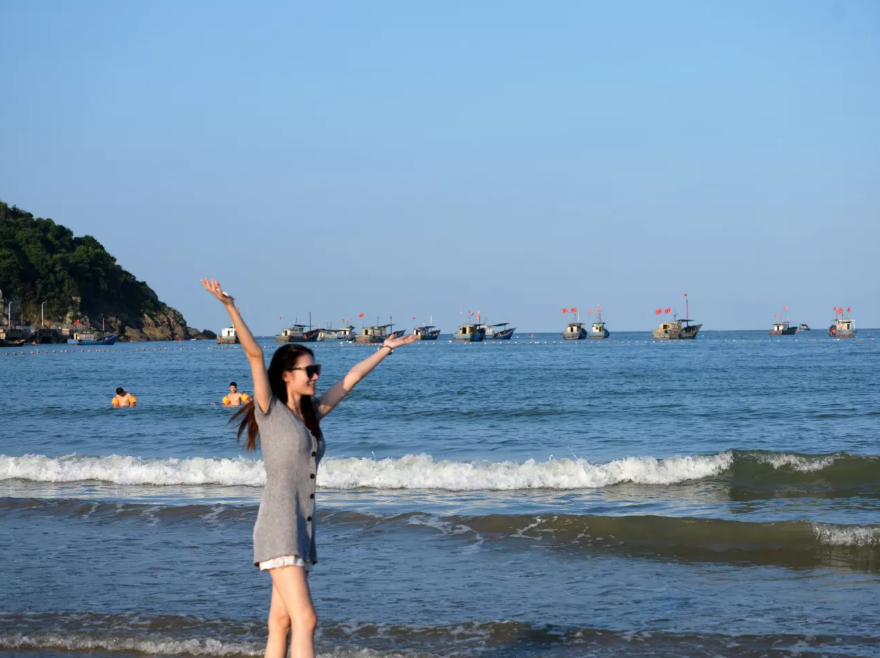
{"x": 74, "y": 279}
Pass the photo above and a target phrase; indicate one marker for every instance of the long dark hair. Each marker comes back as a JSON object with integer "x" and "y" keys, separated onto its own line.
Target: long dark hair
{"x": 283, "y": 360}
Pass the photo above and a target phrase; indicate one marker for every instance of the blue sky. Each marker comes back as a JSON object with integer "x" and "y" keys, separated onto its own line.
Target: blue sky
{"x": 412, "y": 159}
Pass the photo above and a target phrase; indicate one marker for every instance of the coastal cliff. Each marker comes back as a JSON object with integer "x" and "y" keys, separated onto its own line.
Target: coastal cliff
{"x": 73, "y": 281}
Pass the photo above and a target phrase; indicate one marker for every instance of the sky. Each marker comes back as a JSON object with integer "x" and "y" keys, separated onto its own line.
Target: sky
{"x": 413, "y": 159}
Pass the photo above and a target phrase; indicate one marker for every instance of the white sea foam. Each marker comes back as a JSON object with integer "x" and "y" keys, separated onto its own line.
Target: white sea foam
{"x": 133, "y": 470}
{"x": 804, "y": 464}
{"x": 157, "y": 646}
{"x": 850, "y": 535}
{"x": 408, "y": 472}
{"x": 422, "y": 472}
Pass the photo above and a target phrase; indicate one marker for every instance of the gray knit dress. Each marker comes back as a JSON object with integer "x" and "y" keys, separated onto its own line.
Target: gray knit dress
{"x": 285, "y": 523}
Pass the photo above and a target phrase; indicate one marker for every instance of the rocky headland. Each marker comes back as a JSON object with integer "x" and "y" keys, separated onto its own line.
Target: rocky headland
{"x": 50, "y": 278}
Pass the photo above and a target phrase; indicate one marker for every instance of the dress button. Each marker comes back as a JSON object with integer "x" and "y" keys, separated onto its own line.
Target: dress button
{"x": 312, "y": 476}
{"x": 309, "y": 519}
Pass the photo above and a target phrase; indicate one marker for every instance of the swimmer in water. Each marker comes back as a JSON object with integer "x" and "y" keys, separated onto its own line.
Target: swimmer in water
{"x": 234, "y": 396}
{"x": 122, "y": 398}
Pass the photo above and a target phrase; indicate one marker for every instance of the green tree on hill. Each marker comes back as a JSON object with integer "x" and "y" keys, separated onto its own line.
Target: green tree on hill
{"x": 41, "y": 261}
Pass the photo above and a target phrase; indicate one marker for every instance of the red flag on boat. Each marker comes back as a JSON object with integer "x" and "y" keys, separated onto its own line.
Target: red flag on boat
{"x": 668, "y": 310}
{"x": 785, "y": 308}
{"x": 685, "y": 294}
{"x": 590, "y": 311}
{"x": 361, "y": 315}
{"x": 847, "y": 308}
{"x": 776, "y": 315}
{"x": 658, "y": 311}
{"x": 840, "y": 310}
{"x": 414, "y": 317}
{"x": 574, "y": 309}
{"x": 565, "y": 310}
{"x": 478, "y": 315}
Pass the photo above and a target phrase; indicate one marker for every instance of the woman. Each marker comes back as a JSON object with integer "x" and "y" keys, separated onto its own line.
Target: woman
{"x": 286, "y": 414}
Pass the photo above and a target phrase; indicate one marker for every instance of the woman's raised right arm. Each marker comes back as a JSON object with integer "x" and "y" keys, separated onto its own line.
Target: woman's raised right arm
{"x": 254, "y": 353}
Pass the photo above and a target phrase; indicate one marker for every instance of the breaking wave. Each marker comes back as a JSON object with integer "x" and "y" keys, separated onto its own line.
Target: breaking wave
{"x": 193, "y": 636}
{"x": 424, "y": 472}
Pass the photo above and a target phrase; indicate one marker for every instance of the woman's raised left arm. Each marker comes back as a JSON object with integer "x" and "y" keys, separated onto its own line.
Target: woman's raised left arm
{"x": 337, "y": 392}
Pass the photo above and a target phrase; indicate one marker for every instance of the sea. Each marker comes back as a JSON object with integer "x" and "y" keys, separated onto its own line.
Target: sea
{"x": 623, "y": 497}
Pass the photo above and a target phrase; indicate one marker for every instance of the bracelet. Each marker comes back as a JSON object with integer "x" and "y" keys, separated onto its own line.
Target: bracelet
{"x": 389, "y": 347}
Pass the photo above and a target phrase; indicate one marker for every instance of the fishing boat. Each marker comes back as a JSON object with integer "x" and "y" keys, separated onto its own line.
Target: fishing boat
{"x": 91, "y": 338}
{"x": 470, "y": 333}
{"x": 491, "y": 331}
{"x": 346, "y": 333}
{"x": 783, "y": 329}
{"x": 803, "y": 327}
{"x": 397, "y": 334}
{"x": 598, "y": 330}
{"x": 297, "y": 333}
{"x": 426, "y": 332}
{"x": 574, "y": 331}
{"x": 375, "y": 334}
{"x": 227, "y": 336}
{"x": 842, "y": 328}
{"x": 12, "y": 337}
{"x": 677, "y": 329}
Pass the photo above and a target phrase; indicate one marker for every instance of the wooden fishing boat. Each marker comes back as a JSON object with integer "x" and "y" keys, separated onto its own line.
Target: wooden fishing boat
{"x": 803, "y": 327}
{"x": 91, "y": 338}
{"x": 493, "y": 333}
{"x": 677, "y": 329}
{"x": 426, "y": 332}
{"x": 297, "y": 333}
{"x": 842, "y": 328}
{"x": 598, "y": 330}
{"x": 470, "y": 333}
{"x": 574, "y": 331}
{"x": 346, "y": 333}
{"x": 783, "y": 329}
{"x": 227, "y": 336}
{"x": 375, "y": 334}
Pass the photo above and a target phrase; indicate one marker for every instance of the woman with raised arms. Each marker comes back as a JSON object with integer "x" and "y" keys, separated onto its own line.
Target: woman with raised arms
{"x": 285, "y": 413}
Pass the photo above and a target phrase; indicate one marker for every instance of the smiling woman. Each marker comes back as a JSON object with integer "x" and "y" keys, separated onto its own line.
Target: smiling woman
{"x": 285, "y": 415}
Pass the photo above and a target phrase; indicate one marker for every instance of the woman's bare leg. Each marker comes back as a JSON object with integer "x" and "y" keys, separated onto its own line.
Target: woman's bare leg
{"x": 292, "y": 586}
{"x": 279, "y": 627}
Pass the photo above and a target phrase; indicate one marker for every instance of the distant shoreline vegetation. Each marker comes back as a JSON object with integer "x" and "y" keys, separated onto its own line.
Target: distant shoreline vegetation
{"x": 42, "y": 264}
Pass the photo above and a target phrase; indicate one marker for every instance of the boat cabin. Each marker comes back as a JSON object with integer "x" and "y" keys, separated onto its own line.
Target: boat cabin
{"x": 379, "y": 331}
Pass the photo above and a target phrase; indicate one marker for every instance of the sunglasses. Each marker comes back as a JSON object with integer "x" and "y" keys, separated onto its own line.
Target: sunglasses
{"x": 311, "y": 371}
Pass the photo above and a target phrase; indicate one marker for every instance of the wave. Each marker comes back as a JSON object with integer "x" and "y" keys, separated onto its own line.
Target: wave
{"x": 752, "y": 468}
{"x": 192, "y": 636}
{"x": 792, "y": 543}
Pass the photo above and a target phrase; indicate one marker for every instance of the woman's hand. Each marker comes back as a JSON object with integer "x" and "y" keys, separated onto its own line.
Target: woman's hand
{"x": 213, "y": 287}
{"x": 403, "y": 340}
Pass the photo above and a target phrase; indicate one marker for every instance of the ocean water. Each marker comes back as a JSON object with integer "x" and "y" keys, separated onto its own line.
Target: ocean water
{"x": 716, "y": 497}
